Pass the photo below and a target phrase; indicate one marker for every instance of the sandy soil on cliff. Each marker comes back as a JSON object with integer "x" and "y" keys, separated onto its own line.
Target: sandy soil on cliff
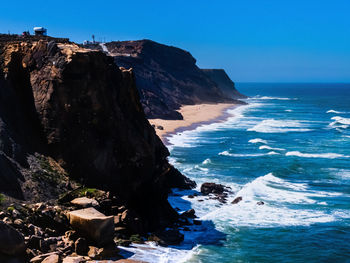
{"x": 194, "y": 116}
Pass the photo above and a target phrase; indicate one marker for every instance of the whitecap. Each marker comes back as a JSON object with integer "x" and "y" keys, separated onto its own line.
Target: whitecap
{"x": 334, "y": 111}
{"x": 273, "y": 98}
{"x": 150, "y": 252}
{"x": 266, "y": 147}
{"x": 279, "y": 126}
{"x": 276, "y": 194}
{"x": 206, "y": 161}
{"x": 316, "y": 155}
{"x": 201, "y": 168}
{"x": 272, "y": 153}
{"x": 257, "y": 140}
{"x": 288, "y": 110}
{"x": 227, "y": 153}
{"x": 340, "y": 120}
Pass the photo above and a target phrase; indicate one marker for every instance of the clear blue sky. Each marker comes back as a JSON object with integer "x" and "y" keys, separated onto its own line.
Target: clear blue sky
{"x": 253, "y": 40}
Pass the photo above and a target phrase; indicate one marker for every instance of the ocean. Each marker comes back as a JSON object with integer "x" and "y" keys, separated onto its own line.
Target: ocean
{"x": 288, "y": 148}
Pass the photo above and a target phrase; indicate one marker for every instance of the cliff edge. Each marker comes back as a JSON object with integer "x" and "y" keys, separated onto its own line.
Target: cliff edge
{"x": 167, "y": 77}
{"x": 73, "y": 107}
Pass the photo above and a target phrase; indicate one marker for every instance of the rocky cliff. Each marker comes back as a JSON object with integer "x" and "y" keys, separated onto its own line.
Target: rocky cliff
{"x": 223, "y": 81}
{"x": 70, "y": 114}
{"x": 167, "y": 77}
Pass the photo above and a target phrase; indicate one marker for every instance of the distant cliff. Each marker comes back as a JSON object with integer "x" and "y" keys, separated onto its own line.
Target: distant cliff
{"x": 76, "y": 106}
{"x": 226, "y": 85}
{"x": 167, "y": 77}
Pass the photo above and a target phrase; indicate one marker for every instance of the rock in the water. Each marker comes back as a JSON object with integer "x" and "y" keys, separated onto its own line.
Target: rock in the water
{"x": 11, "y": 241}
{"x": 260, "y": 203}
{"x": 93, "y": 225}
{"x": 191, "y": 213}
{"x": 107, "y": 252}
{"x": 84, "y": 202}
{"x": 212, "y": 188}
{"x": 237, "y": 200}
{"x": 169, "y": 237}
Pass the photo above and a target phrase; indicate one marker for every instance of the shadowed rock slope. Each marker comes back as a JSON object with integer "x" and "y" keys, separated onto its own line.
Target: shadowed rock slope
{"x": 167, "y": 77}
{"x": 226, "y": 85}
{"x": 74, "y": 109}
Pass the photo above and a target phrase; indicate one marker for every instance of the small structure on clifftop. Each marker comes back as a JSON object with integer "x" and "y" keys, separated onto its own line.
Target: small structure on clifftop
{"x": 40, "y": 31}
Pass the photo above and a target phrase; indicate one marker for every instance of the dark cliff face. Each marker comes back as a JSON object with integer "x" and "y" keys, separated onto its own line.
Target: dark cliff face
{"x": 166, "y": 77}
{"x": 78, "y": 107}
{"x": 226, "y": 85}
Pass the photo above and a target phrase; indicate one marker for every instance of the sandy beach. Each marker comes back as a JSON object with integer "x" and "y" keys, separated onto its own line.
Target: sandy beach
{"x": 194, "y": 116}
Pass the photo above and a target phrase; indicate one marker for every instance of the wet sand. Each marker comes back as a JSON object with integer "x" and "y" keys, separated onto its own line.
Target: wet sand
{"x": 194, "y": 116}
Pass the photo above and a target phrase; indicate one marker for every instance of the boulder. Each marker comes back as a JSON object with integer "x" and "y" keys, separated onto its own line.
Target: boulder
{"x": 108, "y": 252}
{"x": 78, "y": 259}
{"x": 237, "y": 200}
{"x": 54, "y": 258}
{"x": 191, "y": 213}
{"x": 93, "y": 225}
{"x": 212, "y": 188}
{"x": 84, "y": 202}
{"x": 41, "y": 257}
{"x": 168, "y": 237}
{"x": 260, "y": 203}
{"x": 11, "y": 241}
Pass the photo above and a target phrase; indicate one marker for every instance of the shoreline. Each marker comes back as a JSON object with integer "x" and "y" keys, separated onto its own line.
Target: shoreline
{"x": 193, "y": 117}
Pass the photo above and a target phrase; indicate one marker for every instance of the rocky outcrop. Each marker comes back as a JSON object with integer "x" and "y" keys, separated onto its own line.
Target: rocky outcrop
{"x": 68, "y": 113}
{"x": 225, "y": 84}
{"x": 166, "y": 77}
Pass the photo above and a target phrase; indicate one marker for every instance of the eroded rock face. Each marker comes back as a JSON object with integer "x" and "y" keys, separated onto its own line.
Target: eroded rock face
{"x": 166, "y": 77}
{"x": 78, "y": 107}
{"x": 225, "y": 84}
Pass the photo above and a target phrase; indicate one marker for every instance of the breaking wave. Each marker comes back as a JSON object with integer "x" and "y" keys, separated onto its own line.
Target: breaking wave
{"x": 279, "y": 126}
{"x": 258, "y": 140}
{"x": 266, "y": 147}
{"x": 317, "y": 155}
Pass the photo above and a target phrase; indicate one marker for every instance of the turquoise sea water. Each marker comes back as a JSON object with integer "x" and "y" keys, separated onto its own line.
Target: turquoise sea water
{"x": 290, "y": 148}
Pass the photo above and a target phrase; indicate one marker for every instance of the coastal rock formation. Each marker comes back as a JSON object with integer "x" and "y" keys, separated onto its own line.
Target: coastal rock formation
{"x": 226, "y": 85}
{"x": 219, "y": 191}
{"x": 70, "y": 113}
{"x": 167, "y": 77}
{"x": 93, "y": 224}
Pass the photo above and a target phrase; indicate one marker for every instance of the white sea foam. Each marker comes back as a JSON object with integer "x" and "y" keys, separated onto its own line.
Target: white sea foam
{"x": 334, "y": 111}
{"x": 206, "y": 161}
{"x": 276, "y": 193}
{"x": 266, "y": 147}
{"x": 279, "y": 126}
{"x": 272, "y": 153}
{"x": 201, "y": 168}
{"x": 317, "y": 155}
{"x": 340, "y": 122}
{"x": 288, "y": 110}
{"x": 273, "y": 98}
{"x": 190, "y": 138}
{"x": 150, "y": 252}
{"x": 257, "y": 140}
{"x": 227, "y": 153}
